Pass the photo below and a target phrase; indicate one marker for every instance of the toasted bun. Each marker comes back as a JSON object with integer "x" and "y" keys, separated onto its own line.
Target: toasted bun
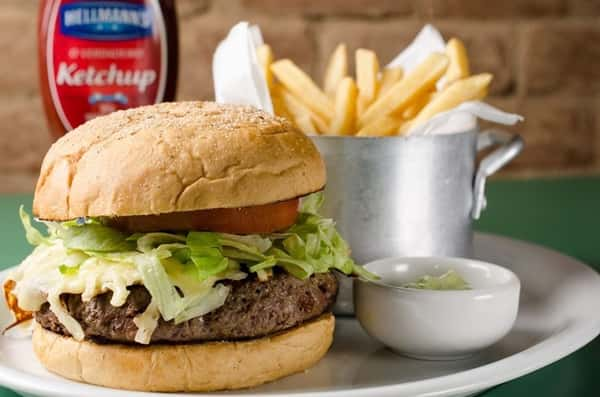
{"x": 193, "y": 367}
{"x": 175, "y": 157}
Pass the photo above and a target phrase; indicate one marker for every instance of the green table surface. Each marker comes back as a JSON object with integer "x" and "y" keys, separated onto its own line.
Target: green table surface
{"x": 563, "y": 214}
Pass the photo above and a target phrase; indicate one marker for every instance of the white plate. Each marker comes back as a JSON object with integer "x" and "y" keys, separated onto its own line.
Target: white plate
{"x": 558, "y": 314}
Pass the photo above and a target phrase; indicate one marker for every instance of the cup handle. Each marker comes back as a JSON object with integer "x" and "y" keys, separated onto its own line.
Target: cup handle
{"x": 510, "y": 145}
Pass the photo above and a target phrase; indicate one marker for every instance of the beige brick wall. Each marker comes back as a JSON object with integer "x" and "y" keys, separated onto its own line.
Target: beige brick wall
{"x": 545, "y": 55}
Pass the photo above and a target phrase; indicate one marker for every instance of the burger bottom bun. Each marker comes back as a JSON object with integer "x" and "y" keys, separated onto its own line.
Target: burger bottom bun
{"x": 186, "y": 367}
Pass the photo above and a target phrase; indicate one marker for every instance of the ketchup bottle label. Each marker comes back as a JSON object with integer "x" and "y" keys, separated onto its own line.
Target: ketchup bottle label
{"x": 103, "y": 56}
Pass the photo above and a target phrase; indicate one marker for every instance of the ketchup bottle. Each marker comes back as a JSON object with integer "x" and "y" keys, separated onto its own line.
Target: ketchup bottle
{"x": 98, "y": 56}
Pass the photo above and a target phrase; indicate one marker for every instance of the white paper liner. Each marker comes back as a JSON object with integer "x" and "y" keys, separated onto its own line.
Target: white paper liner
{"x": 237, "y": 75}
{"x": 427, "y": 41}
{"x": 464, "y": 117}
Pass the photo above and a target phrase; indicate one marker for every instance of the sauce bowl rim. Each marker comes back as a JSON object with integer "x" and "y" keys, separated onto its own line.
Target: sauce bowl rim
{"x": 511, "y": 284}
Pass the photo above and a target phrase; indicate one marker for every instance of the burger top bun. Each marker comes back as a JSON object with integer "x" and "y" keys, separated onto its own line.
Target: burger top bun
{"x": 175, "y": 157}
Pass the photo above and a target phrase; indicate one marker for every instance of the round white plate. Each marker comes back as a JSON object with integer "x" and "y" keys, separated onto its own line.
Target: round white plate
{"x": 558, "y": 314}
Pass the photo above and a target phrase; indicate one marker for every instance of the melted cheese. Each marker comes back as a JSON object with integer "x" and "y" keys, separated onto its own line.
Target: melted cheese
{"x": 146, "y": 323}
{"x": 38, "y": 279}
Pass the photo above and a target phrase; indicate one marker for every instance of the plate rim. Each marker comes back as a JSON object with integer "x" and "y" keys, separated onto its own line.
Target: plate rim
{"x": 546, "y": 352}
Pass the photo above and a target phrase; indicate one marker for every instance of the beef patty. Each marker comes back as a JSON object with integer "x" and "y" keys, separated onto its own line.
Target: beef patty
{"x": 252, "y": 309}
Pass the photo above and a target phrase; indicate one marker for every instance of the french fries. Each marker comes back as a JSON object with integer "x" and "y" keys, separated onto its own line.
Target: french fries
{"x": 300, "y": 113}
{"x": 418, "y": 81}
{"x": 302, "y": 86}
{"x": 305, "y": 124}
{"x": 345, "y": 108}
{"x": 459, "y": 62}
{"x": 469, "y": 89}
{"x": 383, "y": 126}
{"x": 367, "y": 72}
{"x": 337, "y": 69}
{"x": 389, "y": 77}
{"x": 279, "y": 106}
{"x": 265, "y": 57}
{"x": 373, "y": 102}
{"x": 419, "y": 103}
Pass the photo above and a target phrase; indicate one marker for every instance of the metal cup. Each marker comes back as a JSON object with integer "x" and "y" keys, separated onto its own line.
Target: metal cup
{"x": 409, "y": 196}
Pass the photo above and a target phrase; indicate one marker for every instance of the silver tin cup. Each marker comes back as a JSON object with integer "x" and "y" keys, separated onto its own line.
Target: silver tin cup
{"x": 409, "y": 196}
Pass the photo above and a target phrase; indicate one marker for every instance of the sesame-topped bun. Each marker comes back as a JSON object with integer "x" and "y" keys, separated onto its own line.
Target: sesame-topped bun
{"x": 176, "y": 157}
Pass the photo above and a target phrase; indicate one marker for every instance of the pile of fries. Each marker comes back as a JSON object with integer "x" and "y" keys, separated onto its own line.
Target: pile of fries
{"x": 375, "y": 102}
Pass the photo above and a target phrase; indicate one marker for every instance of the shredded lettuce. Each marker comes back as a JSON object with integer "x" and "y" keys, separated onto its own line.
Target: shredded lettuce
{"x": 93, "y": 237}
{"x": 68, "y": 270}
{"x": 81, "y": 221}
{"x": 156, "y": 280}
{"x": 149, "y": 241}
{"x": 206, "y": 304}
{"x": 312, "y": 203}
{"x": 181, "y": 270}
{"x": 146, "y": 323}
{"x": 33, "y": 236}
{"x": 311, "y": 245}
{"x": 450, "y": 280}
{"x": 65, "y": 317}
{"x": 256, "y": 242}
{"x": 206, "y": 253}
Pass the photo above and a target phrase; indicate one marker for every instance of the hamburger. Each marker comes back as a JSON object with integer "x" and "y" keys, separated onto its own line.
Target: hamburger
{"x": 184, "y": 251}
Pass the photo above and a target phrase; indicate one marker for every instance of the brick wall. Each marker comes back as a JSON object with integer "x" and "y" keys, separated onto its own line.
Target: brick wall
{"x": 545, "y": 55}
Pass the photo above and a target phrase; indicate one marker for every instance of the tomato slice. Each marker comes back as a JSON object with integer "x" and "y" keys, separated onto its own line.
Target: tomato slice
{"x": 259, "y": 219}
